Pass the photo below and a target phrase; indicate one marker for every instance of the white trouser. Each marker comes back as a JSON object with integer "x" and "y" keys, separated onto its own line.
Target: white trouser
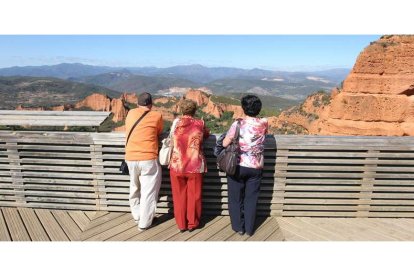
{"x": 143, "y": 190}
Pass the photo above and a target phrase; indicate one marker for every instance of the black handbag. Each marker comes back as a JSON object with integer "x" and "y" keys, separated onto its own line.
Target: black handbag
{"x": 228, "y": 159}
{"x": 124, "y": 166}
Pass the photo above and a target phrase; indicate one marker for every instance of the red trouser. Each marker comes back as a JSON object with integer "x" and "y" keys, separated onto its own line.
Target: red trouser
{"x": 186, "y": 190}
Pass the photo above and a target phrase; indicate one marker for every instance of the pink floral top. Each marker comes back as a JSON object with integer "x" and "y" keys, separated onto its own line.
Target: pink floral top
{"x": 252, "y": 136}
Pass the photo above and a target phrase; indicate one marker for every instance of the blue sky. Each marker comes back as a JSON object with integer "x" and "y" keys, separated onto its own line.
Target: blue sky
{"x": 275, "y": 52}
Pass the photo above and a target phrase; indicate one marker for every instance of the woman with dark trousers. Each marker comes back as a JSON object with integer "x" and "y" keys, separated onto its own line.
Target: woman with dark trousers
{"x": 244, "y": 186}
{"x": 187, "y": 166}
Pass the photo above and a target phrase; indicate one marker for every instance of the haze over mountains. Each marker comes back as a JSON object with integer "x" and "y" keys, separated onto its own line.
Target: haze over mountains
{"x": 164, "y": 81}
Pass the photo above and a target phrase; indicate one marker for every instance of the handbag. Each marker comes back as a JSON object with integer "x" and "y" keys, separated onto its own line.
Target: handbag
{"x": 124, "y": 166}
{"x": 167, "y": 147}
{"x": 228, "y": 159}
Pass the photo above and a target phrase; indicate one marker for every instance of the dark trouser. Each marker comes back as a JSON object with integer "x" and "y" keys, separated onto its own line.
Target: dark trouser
{"x": 244, "y": 188}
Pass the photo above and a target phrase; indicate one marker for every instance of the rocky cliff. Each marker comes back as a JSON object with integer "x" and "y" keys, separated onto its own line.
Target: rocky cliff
{"x": 377, "y": 97}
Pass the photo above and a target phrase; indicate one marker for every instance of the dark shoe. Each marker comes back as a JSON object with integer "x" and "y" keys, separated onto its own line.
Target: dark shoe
{"x": 241, "y": 233}
{"x": 193, "y": 228}
{"x": 183, "y": 230}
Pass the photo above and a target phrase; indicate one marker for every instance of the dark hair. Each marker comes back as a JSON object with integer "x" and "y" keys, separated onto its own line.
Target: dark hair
{"x": 251, "y": 105}
{"x": 144, "y": 99}
{"x": 188, "y": 107}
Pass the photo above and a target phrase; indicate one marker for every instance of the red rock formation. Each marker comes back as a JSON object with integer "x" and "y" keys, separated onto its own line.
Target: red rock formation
{"x": 97, "y": 102}
{"x": 20, "y": 107}
{"x": 213, "y": 109}
{"x": 59, "y": 108}
{"x": 236, "y": 109}
{"x": 100, "y": 102}
{"x": 377, "y": 97}
{"x": 130, "y": 98}
{"x": 118, "y": 109}
{"x": 200, "y": 97}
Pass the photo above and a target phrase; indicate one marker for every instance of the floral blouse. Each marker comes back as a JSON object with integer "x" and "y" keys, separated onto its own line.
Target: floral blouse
{"x": 252, "y": 136}
{"x": 187, "y": 155}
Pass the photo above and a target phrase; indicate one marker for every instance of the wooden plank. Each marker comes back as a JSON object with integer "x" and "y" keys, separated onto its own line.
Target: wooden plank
{"x": 318, "y": 214}
{"x": 360, "y": 231}
{"x": 54, "y": 113}
{"x": 126, "y": 234}
{"x": 147, "y": 234}
{"x": 211, "y": 230}
{"x": 206, "y": 221}
{"x": 316, "y": 226}
{"x": 4, "y": 231}
{"x": 165, "y": 234}
{"x": 71, "y": 201}
{"x": 379, "y": 229}
{"x": 15, "y": 225}
{"x": 48, "y": 122}
{"x": 51, "y": 226}
{"x": 289, "y": 233}
{"x": 111, "y": 229}
{"x": 224, "y": 233}
{"x": 93, "y": 233}
{"x": 33, "y": 225}
{"x": 103, "y": 219}
{"x": 80, "y": 219}
{"x": 266, "y": 229}
{"x": 68, "y": 225}
{"x": 330, "y": 225}
{"x": 397, "y": 228}
{"x": 302, "y": 229}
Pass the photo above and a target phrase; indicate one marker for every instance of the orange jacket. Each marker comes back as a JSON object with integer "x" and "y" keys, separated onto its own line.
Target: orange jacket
{"x": 143, "y": 143}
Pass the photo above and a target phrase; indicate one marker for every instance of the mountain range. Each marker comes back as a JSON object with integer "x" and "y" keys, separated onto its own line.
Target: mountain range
{"x": 220, "y": 80}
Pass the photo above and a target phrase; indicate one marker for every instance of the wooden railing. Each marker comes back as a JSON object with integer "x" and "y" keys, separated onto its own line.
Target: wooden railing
{"x": 303, "y": 175}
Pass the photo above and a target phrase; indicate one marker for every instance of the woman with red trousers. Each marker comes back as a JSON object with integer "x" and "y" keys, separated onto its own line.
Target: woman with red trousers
{"x": 187, "y": 166}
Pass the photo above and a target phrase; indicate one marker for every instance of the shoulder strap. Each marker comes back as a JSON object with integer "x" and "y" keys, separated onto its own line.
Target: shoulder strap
{"x": 136, "y": 123}
{"x": 237, "y": 133}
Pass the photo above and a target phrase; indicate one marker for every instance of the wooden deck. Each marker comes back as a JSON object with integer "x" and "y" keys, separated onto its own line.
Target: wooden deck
{"x": 26, "y": 224}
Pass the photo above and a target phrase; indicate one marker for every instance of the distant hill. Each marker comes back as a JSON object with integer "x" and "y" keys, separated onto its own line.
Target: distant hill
{"x": 125, "y": 81}
{"x": 36, "y": 91}
{"x": 220, "y": 80}
{"x": 293, "y": 90}
{"x": 62, "y": 71}
{"x": 196, "y": 73}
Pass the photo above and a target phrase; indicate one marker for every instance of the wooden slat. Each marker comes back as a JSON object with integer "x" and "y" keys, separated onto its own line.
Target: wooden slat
{"x": 51, "y": 226}
{"x": 265, "y": 230}
{"x": 206, "y": 223}
{"x": 80, "y": 219}
{"x": 68, "y": 225}
{"x": 33, "y": 225}
{"x": 4, "y": 232}
{"x": 101, "y": 231}
{"x": 214, "y": 228}
{"x": 147, "y": 234}
{"x": 15, "y": 225}
{"x": 52, "y": 118}
{"x": 224, "y": 233}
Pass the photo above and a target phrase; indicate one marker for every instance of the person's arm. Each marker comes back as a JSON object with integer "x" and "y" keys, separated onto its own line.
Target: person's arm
{"x": 160, "y": 125}
{"x": 206, "y": 131}
{"x": 230, "y": 135}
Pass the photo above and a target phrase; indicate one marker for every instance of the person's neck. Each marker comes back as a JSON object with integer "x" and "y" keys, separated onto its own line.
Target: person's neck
{"x": 144, "y": 107}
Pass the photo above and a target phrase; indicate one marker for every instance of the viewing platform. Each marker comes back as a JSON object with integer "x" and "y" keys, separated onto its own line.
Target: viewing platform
{"x": 67, "y": 186}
